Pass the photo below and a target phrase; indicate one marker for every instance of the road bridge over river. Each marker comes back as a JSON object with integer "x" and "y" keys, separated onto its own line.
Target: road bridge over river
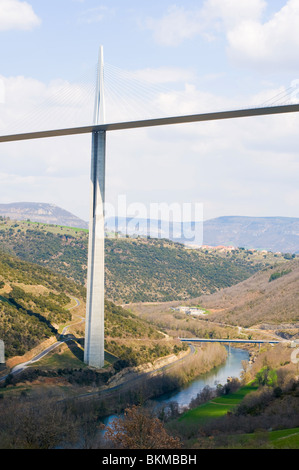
{"x": 230, "y": 341}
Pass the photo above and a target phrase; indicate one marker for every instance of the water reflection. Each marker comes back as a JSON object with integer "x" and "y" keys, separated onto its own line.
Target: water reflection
{"x": 219, "y": 375}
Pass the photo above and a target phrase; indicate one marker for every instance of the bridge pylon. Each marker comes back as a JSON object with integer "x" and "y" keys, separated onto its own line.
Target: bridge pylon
{"x": 95, "y": 302}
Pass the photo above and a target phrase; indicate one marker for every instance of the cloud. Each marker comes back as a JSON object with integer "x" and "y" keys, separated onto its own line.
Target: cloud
{"x": 231, "y": 13}
{"x": 47, "y": 170}
{"x": 2, "y": 91}
{"x": 233, "y": 167}
{"x": 270, "y": 44}
{"x": 31, "y": 104}
{"x": 94, "y": 15}
{"x": 164, "y": 75}
{"x": 180, "y": 23}
{"x": 251, "y": 39}
{"x": 177, "y": 25}
{"x": 17, "y": 15}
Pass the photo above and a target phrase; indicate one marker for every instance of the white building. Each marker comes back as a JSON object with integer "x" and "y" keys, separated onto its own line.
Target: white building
{"x": 190, "y": 310}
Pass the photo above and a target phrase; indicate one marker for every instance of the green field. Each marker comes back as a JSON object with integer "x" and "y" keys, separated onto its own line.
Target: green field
{"x": 285, "y": 439}
{"x": 217, "y": 407}
{"x": 220, "y": 406}
{"x": 281, "y": 439}
{"x": 71, "y": 358}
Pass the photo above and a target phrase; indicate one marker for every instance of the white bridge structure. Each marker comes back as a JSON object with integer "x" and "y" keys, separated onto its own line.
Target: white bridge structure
{"x": 94, "y": 333}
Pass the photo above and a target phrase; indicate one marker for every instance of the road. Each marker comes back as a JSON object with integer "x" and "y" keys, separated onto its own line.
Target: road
{"x": 20, "y": 367}
{"x": 249, "y": 330}
{"x": 137, "y": 378}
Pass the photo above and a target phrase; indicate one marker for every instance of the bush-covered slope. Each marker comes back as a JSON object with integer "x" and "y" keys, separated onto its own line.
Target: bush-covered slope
{"x": 34, "y": 302}
{"x": 267, "y": 297}
{"x": 136, "y": 269}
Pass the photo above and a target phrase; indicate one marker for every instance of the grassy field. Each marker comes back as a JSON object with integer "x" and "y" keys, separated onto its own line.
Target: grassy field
{"x": 281, "y": 439}
{"x": 22, "y": 225}
{"x": 285, "y": 439}
{"x": 69, "y": 357}
{"x": 220, "y": 406}
{"x": 217, "y": 407}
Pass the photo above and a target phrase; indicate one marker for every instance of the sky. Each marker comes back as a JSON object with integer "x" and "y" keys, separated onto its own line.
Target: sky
{"x": 195, "y": 56}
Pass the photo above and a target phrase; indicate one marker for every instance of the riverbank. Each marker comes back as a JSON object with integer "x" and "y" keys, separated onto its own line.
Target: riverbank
{"x": 136, "y": 385}
{"x": 183, "y": 395}
{"x": 232, "y": 367}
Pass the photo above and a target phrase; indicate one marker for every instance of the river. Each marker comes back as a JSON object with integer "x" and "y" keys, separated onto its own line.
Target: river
{"x": 231, "y": 368}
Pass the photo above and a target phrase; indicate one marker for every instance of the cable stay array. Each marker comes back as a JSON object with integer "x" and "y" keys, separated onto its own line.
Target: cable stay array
{"x": 130, "y": 97}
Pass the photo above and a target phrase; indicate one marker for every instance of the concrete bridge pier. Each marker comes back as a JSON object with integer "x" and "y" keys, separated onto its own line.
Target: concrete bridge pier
{"x": 95, "y": 303}
{"x": 94, "y": 331}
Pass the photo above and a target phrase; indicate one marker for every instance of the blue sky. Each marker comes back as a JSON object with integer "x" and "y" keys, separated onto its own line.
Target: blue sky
{"x": 220, "y": 54}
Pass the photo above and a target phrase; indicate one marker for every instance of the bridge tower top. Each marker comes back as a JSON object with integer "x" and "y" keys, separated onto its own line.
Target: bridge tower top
{"x": 99, "y": 105}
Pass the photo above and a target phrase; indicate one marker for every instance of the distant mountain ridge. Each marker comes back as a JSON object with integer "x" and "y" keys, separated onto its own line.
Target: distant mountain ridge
{"x": 276, "y": 234}
{"x": 262, "y": 233}
{"x": 41, "y": 212}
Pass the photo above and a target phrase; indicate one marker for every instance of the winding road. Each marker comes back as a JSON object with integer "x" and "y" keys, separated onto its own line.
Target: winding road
{"x": 64, "y": 339}
{"x": 20, "y": 367}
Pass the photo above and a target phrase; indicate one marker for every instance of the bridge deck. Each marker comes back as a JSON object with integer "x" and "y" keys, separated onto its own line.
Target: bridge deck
{"x": 154, "y": 122}
{"x": 253, "y": 341}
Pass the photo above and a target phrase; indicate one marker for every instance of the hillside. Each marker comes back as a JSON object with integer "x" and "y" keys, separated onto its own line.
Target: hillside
{"x": 136, "y": 269}
{"x": 41, "y": 212}
{"x": 160, "y": 270}
{"x": 35, "y": 302}
{"x": 270, "y": 296}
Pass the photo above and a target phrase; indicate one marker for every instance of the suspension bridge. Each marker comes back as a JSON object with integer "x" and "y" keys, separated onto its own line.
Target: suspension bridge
{"x": 94, "y": 332}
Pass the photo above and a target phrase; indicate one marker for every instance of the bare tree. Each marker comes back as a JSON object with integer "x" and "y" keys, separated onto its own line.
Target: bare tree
{"x": 138, "y": 430}
{"x": 41, "y": 423}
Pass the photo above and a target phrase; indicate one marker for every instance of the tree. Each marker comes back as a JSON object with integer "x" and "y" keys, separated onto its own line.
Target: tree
{"x": 90, "y": 430}
{"x": 266, "y": 376}
{"x": 35, "y": 424}
{"x": 138, "y": 430}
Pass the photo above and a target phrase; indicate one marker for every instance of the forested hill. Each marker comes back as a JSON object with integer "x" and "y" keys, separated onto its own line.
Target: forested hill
{"x": 35, "y": 302}
{"x": 136, "y": 269}
{"x": 159, "y": 270}
{"x": 270, "y": 296}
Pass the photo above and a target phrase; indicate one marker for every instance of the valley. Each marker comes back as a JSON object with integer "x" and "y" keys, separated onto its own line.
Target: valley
{"x": 244, "y": 293}
{"x": 136, "y": 269}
